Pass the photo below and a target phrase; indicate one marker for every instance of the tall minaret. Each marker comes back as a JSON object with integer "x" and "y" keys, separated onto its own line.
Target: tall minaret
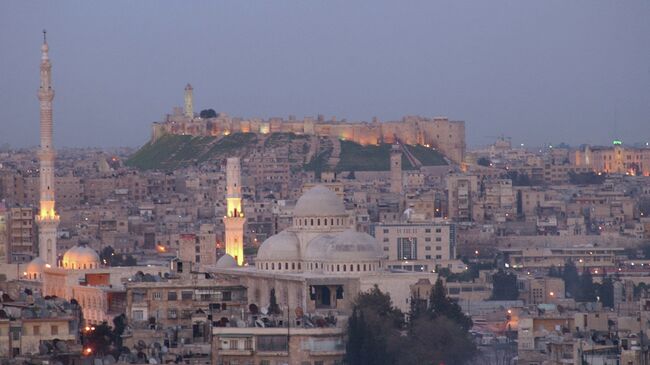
{"x": 47, "y": 219}
{"x": 189, "y": 103}
{"x": 234, "y": 219}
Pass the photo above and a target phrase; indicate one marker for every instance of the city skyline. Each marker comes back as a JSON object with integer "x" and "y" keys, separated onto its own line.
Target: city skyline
{"x": 505, "y": 70}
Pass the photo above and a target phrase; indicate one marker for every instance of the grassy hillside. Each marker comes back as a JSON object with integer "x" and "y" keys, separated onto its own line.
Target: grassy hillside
{"x": 427, "y": 156}
{"x": 173, "y": 151}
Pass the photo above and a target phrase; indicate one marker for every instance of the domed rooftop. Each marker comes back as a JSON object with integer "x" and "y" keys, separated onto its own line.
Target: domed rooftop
{"x": 282, "y": 246}
{"x": 80, "y": 257}
{"x": 346, "y": 246}
{"x": 319, "y": 201}
{"x": 226, "y": 262}
{"x": 36, "y": 265}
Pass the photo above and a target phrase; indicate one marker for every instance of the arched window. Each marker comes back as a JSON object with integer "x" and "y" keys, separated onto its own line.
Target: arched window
{"x": 331, "y": 221}
{"x": 286, "y": 266}
{"x": 293, "y": 266}
{"x": 299, "y": 266}
{"x": 352, "y": 267}
{"x": 364, "y": 267}
{"x": 338, "y": 267}
{"x": 267, "y": 265}
{"x": 272, "y": 266}
{"x": 325, "y": 221}
{"x": 312, "y": 221}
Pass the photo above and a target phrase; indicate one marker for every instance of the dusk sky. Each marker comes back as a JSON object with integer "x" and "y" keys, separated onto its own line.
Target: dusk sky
{"x": 538, "y": 71}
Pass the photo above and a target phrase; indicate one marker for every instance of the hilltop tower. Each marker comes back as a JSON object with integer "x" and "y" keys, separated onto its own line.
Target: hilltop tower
{"x": 234, "y": 219}
{"x": 189, "y": 101}
{"x": 47, "y": 219}
{"x": 396, "y": 169}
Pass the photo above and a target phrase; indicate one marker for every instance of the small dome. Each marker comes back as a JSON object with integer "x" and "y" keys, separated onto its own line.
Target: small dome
{"x": 319, "y": 201}
{"x": 282, "y": 246}
{"x": 346, "y": 246}
{"x": 34, "y": 269}
{"x": 226, "y": 262}
{"x": 80, "y": 257}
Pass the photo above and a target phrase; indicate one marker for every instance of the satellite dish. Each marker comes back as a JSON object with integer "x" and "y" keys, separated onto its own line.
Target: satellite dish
{"x": 259, "y": 323}
{"x": 264, "y": 310}
{"x": 253, "y": 308}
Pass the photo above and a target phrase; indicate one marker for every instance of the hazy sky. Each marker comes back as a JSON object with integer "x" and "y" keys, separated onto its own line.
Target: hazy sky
{"x": 539, "y": 71}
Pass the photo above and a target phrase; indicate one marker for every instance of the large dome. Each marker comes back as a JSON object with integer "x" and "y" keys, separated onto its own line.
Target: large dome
{"x": 283, "y": 246}
{"x": 80, "y": 257}
{"x": 347, "y": 246}
{"x": 319, "y": 201}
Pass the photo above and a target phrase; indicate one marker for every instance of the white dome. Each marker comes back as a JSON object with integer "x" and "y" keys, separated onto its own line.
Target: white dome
{"x": 35, "y": 266}
{"x": 80, "y": 257}
{"x": 319, "y": 201}
{"x": 283, "y": 246}
{"x": 347, "y": 246}
{"x": 226, "y": 262}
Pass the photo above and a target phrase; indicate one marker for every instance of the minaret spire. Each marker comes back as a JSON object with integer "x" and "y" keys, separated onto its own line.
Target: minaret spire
{"x": 234, "y": 219}
{"x": 47, "y": 219}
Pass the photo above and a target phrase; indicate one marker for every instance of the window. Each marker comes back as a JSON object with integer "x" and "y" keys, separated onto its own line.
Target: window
{"x": 438, "y": 248}
{"x": 186, "y": 295}
{"x": 407, "y": 248}
{"x": 186, "y": 314}
{"x": 248, "y": 344}
{"x": 439, "y": 257}
{"x": 227, "y": 296}
{"x": 234, "y": 344}
{"x": 438, "y": 239}
{"x": 54, "y": 330}
{"x": 385, "y": 230}
{"x": 138, "y": 315}
{"x": 427, "y": 239}
{"x": 172, "y": 314}
{"x": 386, "y": 239}
{"x": 157, "y": 295}
{"x": 37, "y": 330}
{"x": 428, "y": 257}
{"x": 385, "y": 248}
{"x": 427, "y": 248}
{"x": 438, "y": 230}
{"x": 427, "y": 230}
{"x": 172, "y": 296}
{"x": 272, "y": 343}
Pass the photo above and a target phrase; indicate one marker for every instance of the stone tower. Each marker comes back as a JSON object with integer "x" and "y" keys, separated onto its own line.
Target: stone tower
{"x": 189, "y": 102}
{"x": 47, "y": 219}
{"x": 396, "y": 169}
{"x": 234, "y": 219}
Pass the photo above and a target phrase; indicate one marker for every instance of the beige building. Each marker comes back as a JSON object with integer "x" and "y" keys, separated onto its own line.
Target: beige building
{"x": 545, "y": 258}
{"x": 22, "y": 235}
{"x": 462, "y": 194}
{"x": 416, "y": 246}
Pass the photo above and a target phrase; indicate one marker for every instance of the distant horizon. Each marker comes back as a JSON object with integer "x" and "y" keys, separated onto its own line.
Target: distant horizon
{"x": 539, "y": 72}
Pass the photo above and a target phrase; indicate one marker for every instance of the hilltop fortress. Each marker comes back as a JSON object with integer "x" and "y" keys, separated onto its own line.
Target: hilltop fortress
{"x": 446, "y": 136}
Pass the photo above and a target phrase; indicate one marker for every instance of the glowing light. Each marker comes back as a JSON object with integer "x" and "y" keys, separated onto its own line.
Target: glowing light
{"x": 552, "y": 294}
{"x": 509, "y": 311}
{"x": 88, "y": 351}
{"x": 48, "y": 266}
{"x": 507, "y": 265}
{"x": 161, "y": 248}
{"x": 617, "y": 142}
{"x": 476, "y": 252}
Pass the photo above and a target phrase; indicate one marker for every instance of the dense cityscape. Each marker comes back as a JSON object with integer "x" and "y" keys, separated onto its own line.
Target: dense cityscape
{"x": 228, "y": 240}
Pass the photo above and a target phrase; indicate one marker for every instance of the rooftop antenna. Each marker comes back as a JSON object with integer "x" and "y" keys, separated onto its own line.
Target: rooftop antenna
{"x": 44, "y": 36}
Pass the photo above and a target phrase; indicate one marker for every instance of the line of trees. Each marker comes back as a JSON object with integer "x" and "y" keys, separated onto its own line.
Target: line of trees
{"x": 437, "y": 331}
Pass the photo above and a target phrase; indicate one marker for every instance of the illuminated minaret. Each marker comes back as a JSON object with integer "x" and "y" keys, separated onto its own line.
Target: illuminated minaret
{"x": 189, "y": 103}
{"x": 234, "y": 219}
{"x": 47, "y": 219}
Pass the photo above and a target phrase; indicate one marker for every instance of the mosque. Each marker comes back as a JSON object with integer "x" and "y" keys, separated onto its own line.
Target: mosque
{"x": 321, "y": 262}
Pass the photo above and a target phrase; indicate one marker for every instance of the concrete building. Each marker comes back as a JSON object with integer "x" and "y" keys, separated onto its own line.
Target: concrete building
{"x": 416, "y": 246}
{"x": 462, "y": 193}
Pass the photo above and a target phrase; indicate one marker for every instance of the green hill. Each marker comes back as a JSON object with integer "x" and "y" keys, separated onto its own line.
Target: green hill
{"x": 174, "y": 151}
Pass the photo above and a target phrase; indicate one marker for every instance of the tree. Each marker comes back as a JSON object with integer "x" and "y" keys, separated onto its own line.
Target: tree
{"x": 504, "y": 286}
{"x": 606, "y": 292}
{"x": 587, "y": 290}
{"x": 441, "y": 305}
{"x": 483, "y": 161}
{"x": 208, "y": 113}
{"x": 436, "y": 341}
{"x": 571, "y": 279}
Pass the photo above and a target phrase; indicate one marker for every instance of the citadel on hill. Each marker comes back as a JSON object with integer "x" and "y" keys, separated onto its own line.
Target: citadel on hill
{"x": 445, "y": 135}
